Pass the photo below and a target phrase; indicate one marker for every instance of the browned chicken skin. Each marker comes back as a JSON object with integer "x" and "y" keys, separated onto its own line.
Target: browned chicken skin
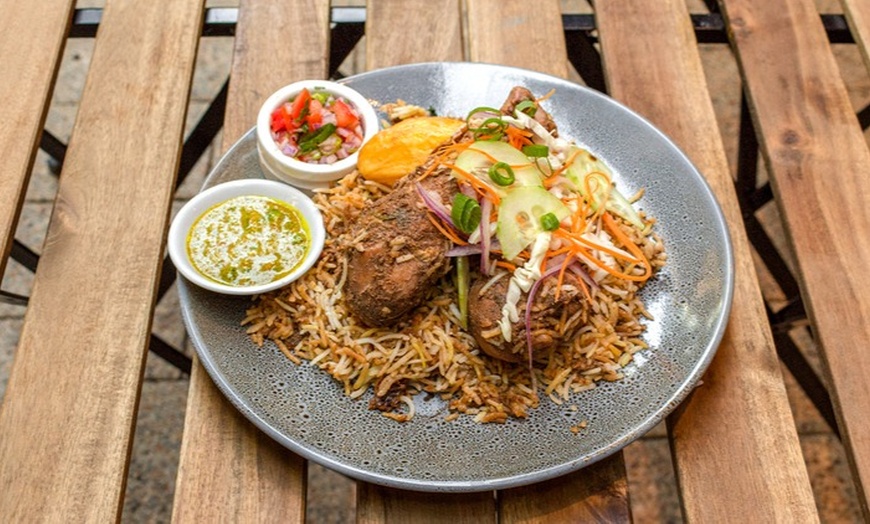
{"x": 401, "y": 254}
{"x": 521, "y": 94}
{"x": 485, "y": 312}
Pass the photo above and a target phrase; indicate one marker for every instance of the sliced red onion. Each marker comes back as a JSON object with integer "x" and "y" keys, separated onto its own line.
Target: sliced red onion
{"x": 556, "y": 261}
{"x": 466, "y": 250}
{"x": 485, "y": 237}
{"x": 578, "y": 270}
{"x": 433, "y": 202}
{"x": 330, "y": 145}
{"x": 468, "y": 191}
{"x": 528, "y": 314}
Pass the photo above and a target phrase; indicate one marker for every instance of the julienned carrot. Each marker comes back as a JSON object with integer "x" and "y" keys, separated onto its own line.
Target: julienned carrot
{"x": 562, "y": 275}
{"x": 446, "y": 231}
{"x": 507, "y": 265}
{"x": 578, "y": 247}
{"x": 577, "y": 239}
{"x": 552, "y": 253}
{"x": 483, "y": 189}
{"x": 441, "y": 159}
{"x": 550, "y": 93}
{"x": 578, "y": 220}
{"x": 601, "y": 265}
{"x": 583, "y": 286}
{"x": 563, "y": 167}
{"x": 614, "y": 229}
{"x": 589, "y": 191}
{"x": 518, "y": 137}
{"x": 585, "y": 289}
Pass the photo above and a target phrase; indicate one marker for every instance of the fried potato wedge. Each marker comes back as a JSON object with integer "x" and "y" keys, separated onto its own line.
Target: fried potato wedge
{"x": 397, "y": 150}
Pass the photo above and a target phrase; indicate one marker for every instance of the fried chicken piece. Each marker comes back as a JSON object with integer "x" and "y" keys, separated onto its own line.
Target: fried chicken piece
{"x": 521, "y": 94}
{"x": 401, "y": 254}
{"x": 548, "y": 315}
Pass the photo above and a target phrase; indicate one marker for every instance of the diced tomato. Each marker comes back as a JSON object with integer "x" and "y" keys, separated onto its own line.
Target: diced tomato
{"x": 277, "y": 122}
{"x": 315, "y": 112}
{"x": 290, "y": 123}
{"x": 299, "y": 105}
{"x": 344, "y": 116}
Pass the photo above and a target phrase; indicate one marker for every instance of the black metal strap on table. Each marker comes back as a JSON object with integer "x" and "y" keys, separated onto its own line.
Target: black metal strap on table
{"x": 348, "y": 27}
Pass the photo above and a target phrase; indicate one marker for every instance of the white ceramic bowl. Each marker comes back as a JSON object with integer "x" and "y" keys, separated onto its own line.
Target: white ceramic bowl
{"x": 277, "y": 165}
{"x": 196, "y": 206}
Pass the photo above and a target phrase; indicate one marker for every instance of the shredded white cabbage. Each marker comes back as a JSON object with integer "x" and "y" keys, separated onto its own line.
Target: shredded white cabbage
{"x": 558, "y": 146}
{"x": 521, "y": 282}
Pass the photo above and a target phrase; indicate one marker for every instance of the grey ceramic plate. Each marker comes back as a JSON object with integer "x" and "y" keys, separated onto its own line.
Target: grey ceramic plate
{"x": 306, "y": 411}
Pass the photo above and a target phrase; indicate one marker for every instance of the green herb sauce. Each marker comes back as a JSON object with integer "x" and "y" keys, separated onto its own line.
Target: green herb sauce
{"x": 248, "y": 241}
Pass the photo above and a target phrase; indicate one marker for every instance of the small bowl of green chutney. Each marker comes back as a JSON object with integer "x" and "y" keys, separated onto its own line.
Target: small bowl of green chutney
{"x": 246, "y": 237}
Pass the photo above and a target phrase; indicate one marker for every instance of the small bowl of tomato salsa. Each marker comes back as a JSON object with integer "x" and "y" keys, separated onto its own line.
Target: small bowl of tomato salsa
{"x": 246, "y": 237}
{"x": 309, "y": 133}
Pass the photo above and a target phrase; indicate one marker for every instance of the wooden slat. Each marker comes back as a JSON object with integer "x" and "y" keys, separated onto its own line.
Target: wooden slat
{"x": 229, "y": 470}
{"x": 30, "y": 61}
{"x": 518, "y": 34}
{"x": 820, "y": 173}
{"x": 858, "y": 16}
{"x": 598, "y": 493}
{"x": 399, "y": 33}
{"x": 734, "y": 440}
{"x": 512, "y": 33}
{"x": 70, "y": 406}
{"x": 412, "y": 32}
{"x": 376, "y": 504}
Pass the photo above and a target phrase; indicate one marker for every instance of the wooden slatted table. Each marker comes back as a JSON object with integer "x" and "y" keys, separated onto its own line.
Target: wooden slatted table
{"x": 820, "y": 172}
{"x": 70, "y": 406}
{"x": 772, "y": 485}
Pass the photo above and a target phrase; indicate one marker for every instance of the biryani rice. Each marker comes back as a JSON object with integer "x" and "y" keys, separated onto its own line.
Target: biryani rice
{"x": 429, "y": 351}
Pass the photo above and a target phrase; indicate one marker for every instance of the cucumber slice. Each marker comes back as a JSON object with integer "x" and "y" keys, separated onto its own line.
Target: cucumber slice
{"x": 477, "y": 160}
{"x": 587, "y": 165}
{"x": 519, "y": 217}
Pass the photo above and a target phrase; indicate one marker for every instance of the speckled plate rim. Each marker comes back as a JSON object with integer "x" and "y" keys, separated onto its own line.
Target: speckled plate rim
{"x": 706, "y": 353}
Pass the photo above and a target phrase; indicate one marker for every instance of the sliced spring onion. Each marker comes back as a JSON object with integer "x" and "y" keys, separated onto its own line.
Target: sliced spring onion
{"x": 481, "y": 109}
{"x": 528, "y": 107}
{"x": 491, "y": 129}
{"x": 320, "y": 96}
{"x": 462, "y": 285}
{"x": 502, "y": 174}
{"x": 536, "y": 151}
{"x": 549, "y": 222}
{"x": 465, "y": 213}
